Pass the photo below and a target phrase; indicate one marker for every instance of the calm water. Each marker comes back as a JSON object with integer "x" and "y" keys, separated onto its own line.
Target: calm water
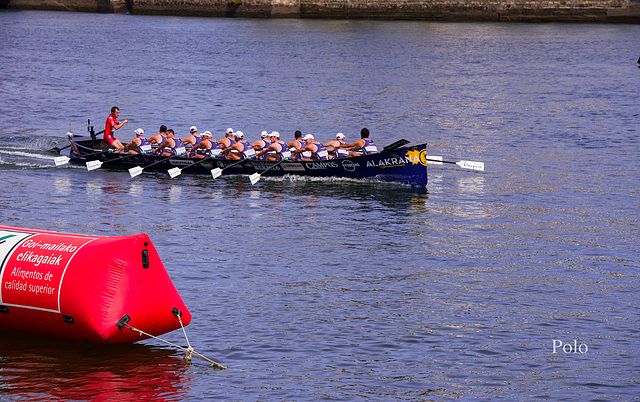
{"x": 337, "y": 290}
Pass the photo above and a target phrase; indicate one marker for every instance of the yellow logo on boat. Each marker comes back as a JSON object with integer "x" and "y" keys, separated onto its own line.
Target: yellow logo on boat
{"x": 416, "y": 156}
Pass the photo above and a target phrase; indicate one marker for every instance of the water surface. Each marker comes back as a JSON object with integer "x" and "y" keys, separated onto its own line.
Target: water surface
{"x": 342, "y": 290}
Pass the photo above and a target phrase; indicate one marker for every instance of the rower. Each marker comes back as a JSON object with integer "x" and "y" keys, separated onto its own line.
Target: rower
{"x": 318, "y": 151}
{"x": 337, "y": 152}
{"x": 228, "y": 140}
{"x": 139, "y": 145}
{"x": 207, "y": 148}
{"x": 193, "y": 139}
{"x": 364, "y": 146}
{"x": 298, "y": 143}
{"x": 171, "y": 146}
{"x": 277, "y": 151}
{"x": 261, "y": 144}
{"x": 110, "y": 126}
{"x": 160, "y": 137}
{"x": 241, "y": 149}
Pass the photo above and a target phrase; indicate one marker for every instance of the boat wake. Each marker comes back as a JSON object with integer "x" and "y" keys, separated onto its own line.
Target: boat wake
{"x": 26, "y": 154}
{"x": 22, "y": 159}
{"x": 311, "y": 179}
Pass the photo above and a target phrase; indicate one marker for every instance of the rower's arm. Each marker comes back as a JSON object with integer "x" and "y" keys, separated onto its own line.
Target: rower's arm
{"x": 301, "y": 150}
{"x": 345, "y": 145}
{"x": 229, "y": 149}
{"x": 132, "y": 144}
{"x": 354, "y": 146}
{"x": 164, "y": 145}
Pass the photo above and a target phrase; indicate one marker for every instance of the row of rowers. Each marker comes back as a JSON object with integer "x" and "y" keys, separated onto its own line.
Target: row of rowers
{"x": 234, "y": 146}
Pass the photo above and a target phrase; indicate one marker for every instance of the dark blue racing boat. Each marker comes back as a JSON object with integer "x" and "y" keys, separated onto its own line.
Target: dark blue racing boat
{"x": 396, "y": 163}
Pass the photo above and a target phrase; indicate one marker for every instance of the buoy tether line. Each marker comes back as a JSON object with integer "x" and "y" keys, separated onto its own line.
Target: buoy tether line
{"x": 124, "y": 322}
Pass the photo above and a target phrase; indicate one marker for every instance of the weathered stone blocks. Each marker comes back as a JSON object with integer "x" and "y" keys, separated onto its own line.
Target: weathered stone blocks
{"x": 626, "y": 11}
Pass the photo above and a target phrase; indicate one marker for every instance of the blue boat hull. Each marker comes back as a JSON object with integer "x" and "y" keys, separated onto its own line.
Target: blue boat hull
{"x": 405, "y": 165}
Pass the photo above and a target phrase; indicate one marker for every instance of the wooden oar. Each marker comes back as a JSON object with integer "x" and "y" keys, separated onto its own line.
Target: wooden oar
{"x": 62, "y": 160}
{"x": 217, "y": 172}
{"x": 135, "y": 171}
{"x": 176, "y": 171}
{"x": 437, "y": 160}
{"x": 255, "y": 177}
{"x": 92, "y": 165}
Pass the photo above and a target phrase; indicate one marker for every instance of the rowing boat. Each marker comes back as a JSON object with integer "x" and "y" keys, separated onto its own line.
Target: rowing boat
{"x": 396, "y": 163}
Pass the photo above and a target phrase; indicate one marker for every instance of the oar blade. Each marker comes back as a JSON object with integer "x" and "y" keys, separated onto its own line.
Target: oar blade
{"x": 434, "y": 160}
{"x": 93, "y": 165}
{"x": 471, "y": 165}
{"x": 174, "y": 172}
{"x": 61, "y": 160}
{"x": 135, "y": 171}
{"x": 215, "y": 173}
{"x": 255, "y": 177}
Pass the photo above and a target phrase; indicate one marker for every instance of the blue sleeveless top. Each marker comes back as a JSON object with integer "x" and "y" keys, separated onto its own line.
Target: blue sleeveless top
{"x": 178, "y": 147}
{"x": 144, "y": 146}
{"x": 247, "y": 150}
{"x": 369, "y": 147}
{"x": 321, "y": 152}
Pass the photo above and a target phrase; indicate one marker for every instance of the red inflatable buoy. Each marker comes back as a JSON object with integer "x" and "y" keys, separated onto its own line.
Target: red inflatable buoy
{"x": 85, "y": 287}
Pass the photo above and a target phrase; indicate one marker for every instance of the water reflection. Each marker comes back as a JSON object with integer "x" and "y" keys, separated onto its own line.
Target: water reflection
{"x": 94, "y": 187}
{"x": 135, "y": 189}
{"x": 42, "y": 368}
{"x": 62, "y": 185}
{"x": 174, "y": 193}
{"x": 472, "y": 184}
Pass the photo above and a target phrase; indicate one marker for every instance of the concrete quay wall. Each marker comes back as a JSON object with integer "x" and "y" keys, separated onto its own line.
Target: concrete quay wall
{"x": 607, "y": 11}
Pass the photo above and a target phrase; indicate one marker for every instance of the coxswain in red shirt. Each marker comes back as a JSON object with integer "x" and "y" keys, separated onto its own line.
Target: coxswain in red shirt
{"x": 110, "y": 126}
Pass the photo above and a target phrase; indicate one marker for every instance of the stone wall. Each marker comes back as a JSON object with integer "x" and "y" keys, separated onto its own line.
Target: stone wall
{"x": 610, "y": 11}
{"x": 477, "y": 10}
{"x": 88, "y": 6}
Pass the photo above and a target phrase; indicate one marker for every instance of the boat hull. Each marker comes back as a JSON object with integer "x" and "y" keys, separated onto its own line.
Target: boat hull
{"x": 406, "y": 165}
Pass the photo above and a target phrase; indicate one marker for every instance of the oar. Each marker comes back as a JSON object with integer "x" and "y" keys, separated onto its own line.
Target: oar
{"x": 395, "y": 145}
{"x": 217, "y": 172}
{"x": 70, "y": 135}
{"x": 176, "y": 171}
{"x": 57, "y": 150}
{"x": 62, "y": 160}
{"x": 255, "y": 177}
{"x": 437, "y": 160}
{"x": 92, "y": 165}
{"x": 135, "y": 171}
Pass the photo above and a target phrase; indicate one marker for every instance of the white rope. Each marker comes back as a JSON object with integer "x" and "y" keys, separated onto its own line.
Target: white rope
{"x": 184, "y": 332}
{"x": 190, "y": 351}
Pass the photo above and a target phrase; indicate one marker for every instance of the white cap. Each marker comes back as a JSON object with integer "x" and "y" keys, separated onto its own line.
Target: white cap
{"x": 239, "y": 134}
{"x": 274, "y": 134}
{"x": 264, "y": 134}
{"x": 229, "y": 131}
{"x": 193, "y": 129}
{"x": 339, "y": 135}
{"x": 139, "y": 131}
{"x": 306, "y": 137}
{"x": 207, "y": 133}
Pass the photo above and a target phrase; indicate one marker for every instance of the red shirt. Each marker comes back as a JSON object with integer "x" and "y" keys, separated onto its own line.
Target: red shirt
{"x": 109, "y": 129}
